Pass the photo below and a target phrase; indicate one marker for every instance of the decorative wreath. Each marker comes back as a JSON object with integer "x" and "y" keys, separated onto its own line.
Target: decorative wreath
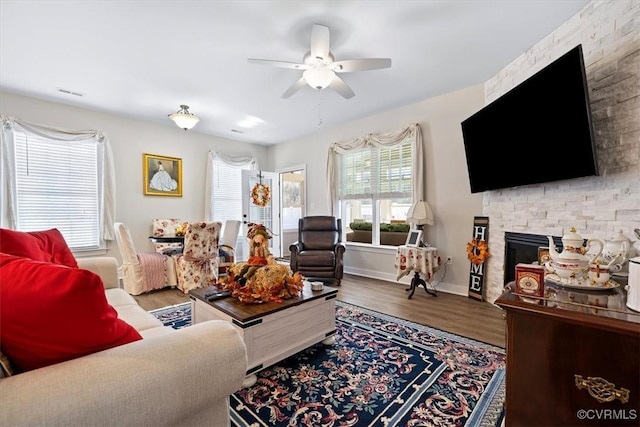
{"x": 477, "y": 251}
{"x": 260, "y": 194}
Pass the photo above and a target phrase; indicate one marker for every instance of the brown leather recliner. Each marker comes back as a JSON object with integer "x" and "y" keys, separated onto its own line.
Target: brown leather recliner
{"x": 319, "y": 250}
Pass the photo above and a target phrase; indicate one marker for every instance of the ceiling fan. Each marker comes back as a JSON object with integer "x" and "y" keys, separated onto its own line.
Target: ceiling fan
{"x": 320, "y": 66}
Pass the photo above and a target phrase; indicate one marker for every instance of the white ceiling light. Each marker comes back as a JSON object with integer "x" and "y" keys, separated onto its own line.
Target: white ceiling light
{"x": 318, "y": 76}
{"x": 183, "y": 118}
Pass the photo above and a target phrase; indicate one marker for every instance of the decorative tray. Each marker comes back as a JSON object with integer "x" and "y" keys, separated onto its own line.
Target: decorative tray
{"x": 584, "y": 284}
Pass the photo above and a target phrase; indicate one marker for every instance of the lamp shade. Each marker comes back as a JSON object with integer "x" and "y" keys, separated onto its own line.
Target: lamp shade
{"x": 183, "y": 118}
{"x": 420, "y": 214}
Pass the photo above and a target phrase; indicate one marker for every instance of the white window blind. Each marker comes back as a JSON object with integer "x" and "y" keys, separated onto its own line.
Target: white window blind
{"x": 226, "y": 197}
{"x": 227, "y": 190}
{"x": 376, "y": 172}
{"x": 57, "y": 186}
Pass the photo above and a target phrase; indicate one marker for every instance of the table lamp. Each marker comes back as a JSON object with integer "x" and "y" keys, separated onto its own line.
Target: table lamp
{"x": 420, "y": 214}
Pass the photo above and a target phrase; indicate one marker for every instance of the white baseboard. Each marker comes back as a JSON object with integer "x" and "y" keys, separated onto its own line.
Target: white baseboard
{"x": 450, "y": 288}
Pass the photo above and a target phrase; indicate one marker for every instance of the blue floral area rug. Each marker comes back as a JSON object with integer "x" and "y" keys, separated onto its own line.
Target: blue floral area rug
{"x": 382, "y": 371}
{"x": 177, "y": 316}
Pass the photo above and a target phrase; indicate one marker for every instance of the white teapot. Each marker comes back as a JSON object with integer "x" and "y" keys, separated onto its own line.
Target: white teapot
{"x": 617, "y": 251}
{"x": 572, "y": 261}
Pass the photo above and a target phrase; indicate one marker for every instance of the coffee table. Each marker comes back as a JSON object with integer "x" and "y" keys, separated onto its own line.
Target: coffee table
{"x": 272, "y": 331}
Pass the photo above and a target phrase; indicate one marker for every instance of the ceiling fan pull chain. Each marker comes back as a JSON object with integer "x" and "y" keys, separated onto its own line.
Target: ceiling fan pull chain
{"x": 319, "y": 108}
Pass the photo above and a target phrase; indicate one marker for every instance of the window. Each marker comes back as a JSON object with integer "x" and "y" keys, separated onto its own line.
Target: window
{"x": 293, "y": 199}
{"x": 57, "y": 187}
{"x": 373, "y": 180}
{"x": 56, "y": 179}
{"x": 375, "y": 187}
{"x": 225, "y": 189}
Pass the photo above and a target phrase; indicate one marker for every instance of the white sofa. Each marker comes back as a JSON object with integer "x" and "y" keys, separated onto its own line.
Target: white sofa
{"x": 169, "y": 378}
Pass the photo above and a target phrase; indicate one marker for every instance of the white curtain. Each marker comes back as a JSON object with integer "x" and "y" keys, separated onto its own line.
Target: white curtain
{"x": 237, "y": 161}
{"x": 8, "y": 195}
{"x": 378, "y": 140}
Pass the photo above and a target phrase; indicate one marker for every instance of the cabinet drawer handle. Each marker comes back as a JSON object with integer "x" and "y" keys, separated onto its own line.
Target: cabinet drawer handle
{"x": 601, "y": 389}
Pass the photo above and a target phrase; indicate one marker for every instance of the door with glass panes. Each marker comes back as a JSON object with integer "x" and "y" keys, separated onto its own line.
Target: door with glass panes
{"x": 261, "y": 205}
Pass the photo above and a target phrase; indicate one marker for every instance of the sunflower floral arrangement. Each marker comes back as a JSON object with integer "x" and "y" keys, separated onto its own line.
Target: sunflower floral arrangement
{"x": 261, "y": 279}
{"x": 477, "y": 251}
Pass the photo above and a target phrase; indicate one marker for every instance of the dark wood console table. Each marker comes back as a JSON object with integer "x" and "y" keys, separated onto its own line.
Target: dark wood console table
{"x": 166, "y": 239}
{"x": 573, "y": 358}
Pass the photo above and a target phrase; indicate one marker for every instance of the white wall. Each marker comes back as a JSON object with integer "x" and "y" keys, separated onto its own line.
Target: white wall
{"x": 446, "y": 183}
{"x": 609, "y": 32}
{"x": 129, "y": 140}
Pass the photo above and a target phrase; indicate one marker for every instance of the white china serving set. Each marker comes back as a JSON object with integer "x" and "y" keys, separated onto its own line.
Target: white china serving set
{"x": 579, "y": 266}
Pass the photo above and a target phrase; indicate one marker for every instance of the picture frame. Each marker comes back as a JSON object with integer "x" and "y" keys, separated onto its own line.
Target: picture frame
{"x": 414, "y": 237}
{"x": 543, "y": 255}
{"x": 161, "y": 175}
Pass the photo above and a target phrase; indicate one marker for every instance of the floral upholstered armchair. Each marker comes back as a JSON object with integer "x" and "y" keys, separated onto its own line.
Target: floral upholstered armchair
{"x": 197, "y": 266}
{"x": 166, "y": 227}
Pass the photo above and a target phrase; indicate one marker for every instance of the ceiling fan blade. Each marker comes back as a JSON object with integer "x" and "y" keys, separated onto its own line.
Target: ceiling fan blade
{"x": 294, "y": 88}
{"x": 341, "y": 87}
{"x": 349, "y": 65}
{"x": 319, "y": 41}
{"x": 280, "y": 64}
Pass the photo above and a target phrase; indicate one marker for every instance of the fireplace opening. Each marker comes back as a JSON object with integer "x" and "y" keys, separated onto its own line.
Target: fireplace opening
{"x": 523, "y": 248}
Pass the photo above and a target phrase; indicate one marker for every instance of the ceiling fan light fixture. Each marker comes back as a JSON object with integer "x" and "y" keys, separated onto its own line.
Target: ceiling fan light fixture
{"x": 184, "y": 119}
{"x": 318, "y": 77}
{"x": 321, "y": 69}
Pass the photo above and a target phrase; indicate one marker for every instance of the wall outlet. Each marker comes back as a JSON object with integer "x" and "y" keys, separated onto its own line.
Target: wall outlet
{"x": 449, "y": 260}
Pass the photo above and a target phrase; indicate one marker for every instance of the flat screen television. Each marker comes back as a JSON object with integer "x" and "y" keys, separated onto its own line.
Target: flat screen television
{"x": 540, "y": 131}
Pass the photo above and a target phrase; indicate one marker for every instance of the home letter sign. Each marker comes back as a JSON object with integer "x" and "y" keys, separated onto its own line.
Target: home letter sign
{"x": 478, "y": 252}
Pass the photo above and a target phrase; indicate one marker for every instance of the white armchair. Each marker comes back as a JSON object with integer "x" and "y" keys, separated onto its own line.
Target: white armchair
{"x": 143, "y": 271}
{"x": 228, "y": 242}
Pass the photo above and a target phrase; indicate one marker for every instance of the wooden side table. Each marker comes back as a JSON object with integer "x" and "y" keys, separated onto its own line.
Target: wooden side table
{"x": 422, "y": 261}
{"x": 572, "y": 358}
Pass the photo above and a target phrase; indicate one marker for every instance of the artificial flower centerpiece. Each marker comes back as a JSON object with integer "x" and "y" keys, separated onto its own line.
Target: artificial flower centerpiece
{"x": 261, "y": 278}
{"x": 181, "y": 229}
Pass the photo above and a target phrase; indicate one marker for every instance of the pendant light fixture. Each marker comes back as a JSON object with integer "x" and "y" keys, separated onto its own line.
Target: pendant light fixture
{"x": 183, "y": 118}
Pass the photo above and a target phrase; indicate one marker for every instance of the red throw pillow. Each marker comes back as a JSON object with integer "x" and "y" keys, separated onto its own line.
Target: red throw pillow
{"x": 48, "y": 245}
{"x": 51, "y": 313}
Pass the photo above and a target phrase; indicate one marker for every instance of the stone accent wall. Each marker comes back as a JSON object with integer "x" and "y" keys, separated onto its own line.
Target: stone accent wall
{"x": 609, "y": 32}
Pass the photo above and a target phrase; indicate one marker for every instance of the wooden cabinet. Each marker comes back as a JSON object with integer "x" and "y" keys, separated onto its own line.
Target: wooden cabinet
{"x": 563, "y": 349}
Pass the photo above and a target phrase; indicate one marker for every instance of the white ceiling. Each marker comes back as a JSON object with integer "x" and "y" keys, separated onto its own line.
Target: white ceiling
{"x": 144, "y": 58}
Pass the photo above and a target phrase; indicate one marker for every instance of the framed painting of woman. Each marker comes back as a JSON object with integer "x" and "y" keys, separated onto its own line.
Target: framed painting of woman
{"x": 162, "y": 175}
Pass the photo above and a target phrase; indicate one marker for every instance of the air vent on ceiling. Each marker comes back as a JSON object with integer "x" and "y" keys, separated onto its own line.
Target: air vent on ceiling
{"x": 69, "y": 92}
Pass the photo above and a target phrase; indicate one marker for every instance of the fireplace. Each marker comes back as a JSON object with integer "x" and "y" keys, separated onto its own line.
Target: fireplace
{"x": 521, "y": 247}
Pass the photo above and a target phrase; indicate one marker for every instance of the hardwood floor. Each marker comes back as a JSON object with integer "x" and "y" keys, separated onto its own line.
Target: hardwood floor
{"x": 452, "y": 313}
